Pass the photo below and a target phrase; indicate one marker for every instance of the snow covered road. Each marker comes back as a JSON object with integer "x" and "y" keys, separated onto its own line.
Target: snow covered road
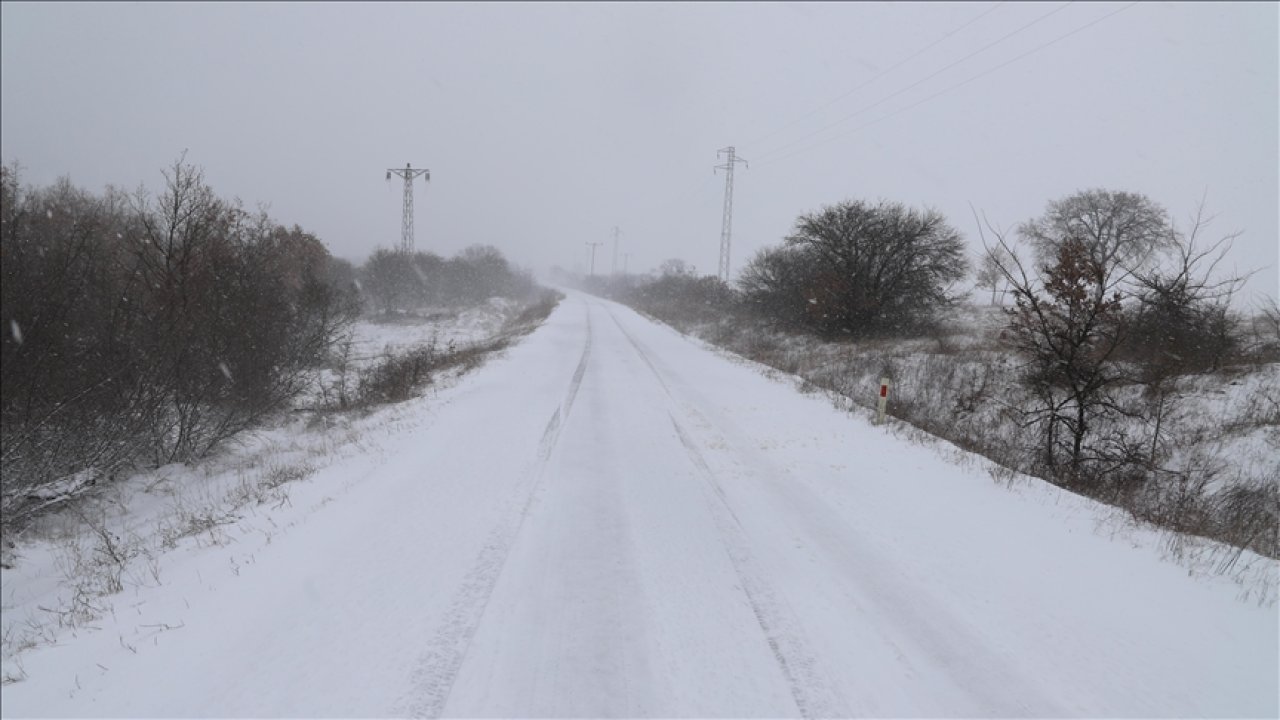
{"x": 611, "y": 520}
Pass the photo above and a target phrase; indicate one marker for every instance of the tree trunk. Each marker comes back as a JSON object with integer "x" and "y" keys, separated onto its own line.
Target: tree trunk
{"x": 1077, "y": 441}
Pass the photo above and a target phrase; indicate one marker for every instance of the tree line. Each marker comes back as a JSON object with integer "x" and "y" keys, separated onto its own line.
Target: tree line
{"x": 396, "y": 281}
{"x": 140, "y": 330}
{"x": 144, "y": 329}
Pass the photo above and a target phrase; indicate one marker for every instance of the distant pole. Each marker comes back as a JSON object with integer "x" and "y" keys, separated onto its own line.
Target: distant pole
{"x": 406, "y": 221}
{"x": 882, "y": 400}
{"x": 726, "y": 223}
{"x": 593, "y": 246}
{"x": 616, "y": 232}
{"x": 625, "y": 258}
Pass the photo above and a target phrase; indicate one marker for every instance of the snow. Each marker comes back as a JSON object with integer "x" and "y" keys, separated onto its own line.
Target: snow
{"x": 65, "y": 487}
{"x": 1218, "y": 426}
{"x": 611, "y": 519}
{"x": 443, "y": 325}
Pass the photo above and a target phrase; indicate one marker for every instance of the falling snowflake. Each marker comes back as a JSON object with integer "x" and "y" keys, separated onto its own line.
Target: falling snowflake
{"x": 16, "y": 330}
{"x": 225, "y": 371}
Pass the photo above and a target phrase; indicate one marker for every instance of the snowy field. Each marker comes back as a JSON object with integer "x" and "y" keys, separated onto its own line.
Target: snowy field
{"x": 611, "y": 519}
{"x": 373, "y": 338}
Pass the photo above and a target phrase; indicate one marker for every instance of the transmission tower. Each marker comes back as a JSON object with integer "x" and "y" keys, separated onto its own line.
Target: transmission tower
{"x": 593, "y": 246}
{"x": 406, "y": 223}
{"x": 726, "y": 224}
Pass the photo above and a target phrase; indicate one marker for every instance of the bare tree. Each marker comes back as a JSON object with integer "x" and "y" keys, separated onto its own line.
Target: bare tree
{"x": 1268, "y": 322}
{"x": 775, "y": 285}
{"x": 1067, "y": 332}
{"x": 1119, "y": 232}
{"x": 1114, "y": 280}
{"x": 390, "y": 279}
{"x": 148, "y": 329}
{"x": 989, "y": 276}
{"x": 430, "y": 285}
{"x": 1183, "y": 320}
{"x": 1068, "y": 322}
{"x": 489, "y": 274}
{"x": 675, "y": 266}
{"x": 881, "y": 268}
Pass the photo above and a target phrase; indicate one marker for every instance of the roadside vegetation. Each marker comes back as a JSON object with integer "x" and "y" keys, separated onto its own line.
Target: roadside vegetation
{"x": 144, "y": 330}
{"x": 1105, "y": 354}
{"x": 172, "y": 364}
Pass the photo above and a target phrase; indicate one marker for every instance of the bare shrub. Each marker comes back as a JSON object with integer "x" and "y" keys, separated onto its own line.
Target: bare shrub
{"x": 1265, "y": 336}
{"x": 1182, "y": 321}
{"x": 187, "y": 520}
{"x": 94, "y": 563}
{"x": 1248, "y": 516}
{"x": 397, "y": 376}
{"x": 125, "y": 338}
{"x": 534, "y": 313}
{"x": 279, "y": 474}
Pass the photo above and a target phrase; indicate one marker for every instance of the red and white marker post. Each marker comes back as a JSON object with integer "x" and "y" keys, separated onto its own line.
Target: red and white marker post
{"x": 883, "y": 400}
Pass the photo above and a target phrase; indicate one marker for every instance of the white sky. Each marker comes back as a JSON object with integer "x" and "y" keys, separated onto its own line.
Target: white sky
{"x": 544, "y": 125}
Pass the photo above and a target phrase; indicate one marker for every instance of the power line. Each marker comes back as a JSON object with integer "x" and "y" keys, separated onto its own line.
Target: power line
{"x": 946, "y": 90}
{"x": 768, "y": 155}
{"x": 877, "y": 76}
{"x": 685, "y": 197}
{"x": 662, "y": 213}
{"x": 680, "y": 199}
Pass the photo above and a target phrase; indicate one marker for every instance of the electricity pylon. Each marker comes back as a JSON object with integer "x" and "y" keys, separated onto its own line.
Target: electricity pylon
{"x": 726, "y": 223}
{"x": 406, "y": 223}
{"x": 593, "y": 246}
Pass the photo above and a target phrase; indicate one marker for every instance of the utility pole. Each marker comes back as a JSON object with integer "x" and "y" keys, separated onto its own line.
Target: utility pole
{"x": 626, "y": 257}
{"x": 593, "y": 246}
{"x": 616, "y": 232}
{"x": 726, "y": 224}
{"x": 406, "y": 223}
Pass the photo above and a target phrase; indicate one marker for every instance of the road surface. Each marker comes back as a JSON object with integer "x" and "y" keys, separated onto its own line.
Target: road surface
{"x": 611, "y": 520}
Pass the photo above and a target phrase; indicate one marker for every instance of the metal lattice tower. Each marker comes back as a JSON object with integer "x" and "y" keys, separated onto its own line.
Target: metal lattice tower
{"x": 406, "y": 223}
{"x": 726, "y": 224}
{"x": 593, "y": 246}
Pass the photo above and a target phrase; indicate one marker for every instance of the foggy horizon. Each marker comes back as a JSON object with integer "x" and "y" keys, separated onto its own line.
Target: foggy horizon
{"x": 544, "y": 126}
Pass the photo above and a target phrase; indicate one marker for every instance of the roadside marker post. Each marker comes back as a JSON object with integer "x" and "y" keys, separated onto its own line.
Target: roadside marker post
{"x": 882, "y": 401}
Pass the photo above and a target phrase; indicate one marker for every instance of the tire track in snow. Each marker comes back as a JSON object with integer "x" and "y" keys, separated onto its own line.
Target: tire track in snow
{"x": 439, "y": 665}
{"x": 920, "y": 626}
{"x": 814, "y": 694}
{"x": 995, "y": 682}
{"x": 812, "y": 691}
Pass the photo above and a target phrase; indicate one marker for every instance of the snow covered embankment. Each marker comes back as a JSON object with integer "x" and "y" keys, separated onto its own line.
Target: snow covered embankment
{"x": 75, "y": 565}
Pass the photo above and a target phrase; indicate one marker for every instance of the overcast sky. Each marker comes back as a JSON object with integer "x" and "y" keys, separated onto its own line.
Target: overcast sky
{"x": 545, "y": 125}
